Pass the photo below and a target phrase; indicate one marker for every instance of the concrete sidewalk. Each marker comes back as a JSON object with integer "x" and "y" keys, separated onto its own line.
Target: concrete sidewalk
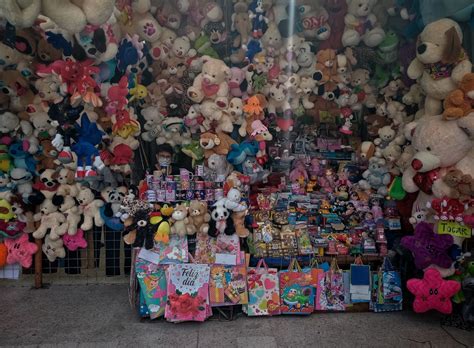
{"x": 99, "y": 315}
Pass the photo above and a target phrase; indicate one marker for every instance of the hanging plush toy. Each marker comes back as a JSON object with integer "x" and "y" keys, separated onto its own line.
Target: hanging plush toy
{"x": 258, "y": 18}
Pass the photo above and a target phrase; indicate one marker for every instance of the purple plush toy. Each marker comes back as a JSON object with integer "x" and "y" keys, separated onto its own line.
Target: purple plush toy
{"x": 429, "y": 248}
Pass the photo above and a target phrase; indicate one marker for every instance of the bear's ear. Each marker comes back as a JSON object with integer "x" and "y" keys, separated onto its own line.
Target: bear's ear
{"x": 58, "y": 200}
{"x": 217, "y": 140}
{"x": 453, "y": 48}
{"x": 409, "y": 130}
{"x": 467, "y": 125}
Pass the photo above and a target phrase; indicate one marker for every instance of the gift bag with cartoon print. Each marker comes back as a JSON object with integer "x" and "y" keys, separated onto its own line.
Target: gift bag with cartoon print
{"x": 228, "y": 285}
{"x": 330, "y": 294}
{"x": 152, "y": 281}
{"x": 264, "y": 291}
{"x": 188, "y": 292}
{"x": 297, "y": 290}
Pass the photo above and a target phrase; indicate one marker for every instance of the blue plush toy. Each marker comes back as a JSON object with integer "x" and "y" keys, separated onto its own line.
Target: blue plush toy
{"x": 239, "y": 152}
{"x": 88, "y": 137}
{"x": 253, "y": 47}
{"x": 22, "y": 158}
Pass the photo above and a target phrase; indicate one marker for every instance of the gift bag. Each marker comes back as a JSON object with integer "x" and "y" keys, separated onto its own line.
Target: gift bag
{"x": 188, "y": 292}
{"x": 297, "y": 290}
{"x": 152, "y": 283}
{"x": 228, "y": 285}
{"x": 205, "y": 249}
{"x": 387, "y": 293}
{"x": 175, "y": 251}
{"x": 359, "y": 281}
{"x": 330, "y": 290}
{"x": 264, "y": 291}
{"x": 227, "y": 250}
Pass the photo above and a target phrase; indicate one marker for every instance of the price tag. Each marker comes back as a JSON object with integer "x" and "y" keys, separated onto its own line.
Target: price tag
{"x": 455, "y": 229}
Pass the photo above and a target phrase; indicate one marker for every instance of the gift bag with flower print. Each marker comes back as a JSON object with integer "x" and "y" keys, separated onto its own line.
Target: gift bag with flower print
{"x": 188, "y": 292}
{"x": 263, "y": 288}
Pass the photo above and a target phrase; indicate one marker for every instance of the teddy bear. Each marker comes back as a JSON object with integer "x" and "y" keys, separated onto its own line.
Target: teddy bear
{"x": 461, "y": 185}
{"x": 238, "y": 218}
{"x": 99, "y": 44}
{"x": 42, "y": 123}
{"x": 180, "y": 221}
{"x": 199, "y": 217}
{"x": 307, "y": 85}
{"x": 194, "y": 119}
{"x": 215, "y": 118}
{"x": 74, "y": 16}
{"x": 387, "y": 136}
{"x": 152, "y": 126}
{"x": 361, "y": 24}
{"x": 50, "y": 219}
{"x": 460, "y": 101}
{"x": 218, "y": 168}
{"x": 48, "y": 90}
{"x": 48, "y": 155}
{"x": 67, "y": 205}
{"x": 211, "y": 82}
{"x": 391, "y": 154}
{"x": 374, "y": 122}
{"x": 215, "y": 143}
{"x": 182, "y": 48}
{"x": 440, "y": 62}
{"x": 366, "y": 150}
{"x": 360, "y": 83}
{"x": 396, "y": 112}
{"x": 235, "y": 112}
{"x": 46, "y": 183}
{"x": 326, "y": 66}
{"x": 438, "y": 144}
{"x": 393, "y": 89}
{"x": 53, "y": 248}
{"x": 376, "y": 177}
{"x": 314, "y": 19}
{"x": 90, "y": 209}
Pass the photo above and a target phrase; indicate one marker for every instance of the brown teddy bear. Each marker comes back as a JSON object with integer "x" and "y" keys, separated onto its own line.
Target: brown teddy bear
{"x": 238, "y": 218}
{"x": 460, "y": 101}
{"x": 215, "y": 143}
{"x": 46, "y": 159}
{"x": 180, "y": 221}
{"x": 198, "y": 217}
{"x": 462, "y": 185}
{"x": 327, "y": 65}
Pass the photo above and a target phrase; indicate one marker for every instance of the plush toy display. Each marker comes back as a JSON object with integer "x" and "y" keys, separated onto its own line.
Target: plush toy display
{"x": 230, "y": 118}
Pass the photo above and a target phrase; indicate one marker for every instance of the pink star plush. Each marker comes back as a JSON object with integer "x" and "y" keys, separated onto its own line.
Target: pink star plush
{"x": 20, "y": 250}
{"x": 433, "y": 292}
{"x": 76, "y": 241}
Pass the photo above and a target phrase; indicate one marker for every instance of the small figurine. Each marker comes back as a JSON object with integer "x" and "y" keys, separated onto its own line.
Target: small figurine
{"x": 369, "y": 222}
{"x": 376, "y": 209}
{"x": 313, "y": 181}
{"x": 299, "y": 172}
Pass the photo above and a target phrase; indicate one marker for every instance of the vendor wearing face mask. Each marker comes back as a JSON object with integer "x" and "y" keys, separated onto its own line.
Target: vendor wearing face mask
{"x": 165, "y": 163}
{"x": 165, "y": 158}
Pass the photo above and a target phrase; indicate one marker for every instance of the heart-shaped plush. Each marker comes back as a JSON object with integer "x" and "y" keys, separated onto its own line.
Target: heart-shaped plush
{"x": 269, "y": 284}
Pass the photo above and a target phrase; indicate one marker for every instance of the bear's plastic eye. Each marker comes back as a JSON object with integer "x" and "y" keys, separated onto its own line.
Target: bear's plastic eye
{"x": 141, "y": 223}
{"x": 428, "y": 148}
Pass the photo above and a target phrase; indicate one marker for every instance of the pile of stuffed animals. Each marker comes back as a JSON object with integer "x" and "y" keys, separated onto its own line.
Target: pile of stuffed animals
{"x": 84, "y": 83}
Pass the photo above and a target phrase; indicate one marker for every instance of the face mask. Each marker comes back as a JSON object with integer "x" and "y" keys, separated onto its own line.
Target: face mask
{"x": 163, "y": 161}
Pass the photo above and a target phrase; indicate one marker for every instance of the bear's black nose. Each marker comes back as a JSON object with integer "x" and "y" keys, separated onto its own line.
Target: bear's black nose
{"x": 421, "y": 48}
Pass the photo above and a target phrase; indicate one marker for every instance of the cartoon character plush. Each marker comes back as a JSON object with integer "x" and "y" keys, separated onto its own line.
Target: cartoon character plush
{"x": 459, "y": 103}
{"x": 85, "y": 147}
{"x": 440, "y": 62}
{"x": 361, "y": 24}
{"x": 257, "y": 15}
{"x": 76, "y": 241}
{"x": 90, "y": 209}
{"x": 278, "y": 100}
{"x": 198, "y": 217}
{"x": 20, "y": 251}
